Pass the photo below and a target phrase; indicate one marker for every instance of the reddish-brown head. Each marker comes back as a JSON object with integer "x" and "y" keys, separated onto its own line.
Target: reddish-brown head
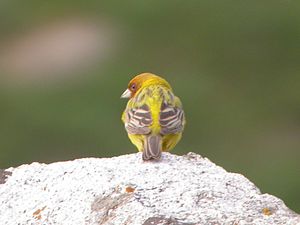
{"x": 143, "y": 80}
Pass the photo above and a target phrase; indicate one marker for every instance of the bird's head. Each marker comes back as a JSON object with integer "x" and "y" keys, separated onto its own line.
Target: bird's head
{"x": 141, "y": 81}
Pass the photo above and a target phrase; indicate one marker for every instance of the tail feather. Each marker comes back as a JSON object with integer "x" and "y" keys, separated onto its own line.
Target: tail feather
{"x": 152, "y": 147}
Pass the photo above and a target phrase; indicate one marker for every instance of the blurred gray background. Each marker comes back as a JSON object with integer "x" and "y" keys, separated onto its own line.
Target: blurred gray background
{"x": 234, "y": 64}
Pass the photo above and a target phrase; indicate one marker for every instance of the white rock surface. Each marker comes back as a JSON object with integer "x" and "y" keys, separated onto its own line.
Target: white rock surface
{"x": 178, "y": 190}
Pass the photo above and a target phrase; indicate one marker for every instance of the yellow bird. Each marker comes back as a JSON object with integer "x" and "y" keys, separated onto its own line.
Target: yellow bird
{"x": 153, "y": 118}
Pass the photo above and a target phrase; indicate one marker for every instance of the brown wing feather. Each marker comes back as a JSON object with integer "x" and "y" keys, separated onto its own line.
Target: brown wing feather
{"x": 138, "y": 120}
{"x": 171, "y": 119}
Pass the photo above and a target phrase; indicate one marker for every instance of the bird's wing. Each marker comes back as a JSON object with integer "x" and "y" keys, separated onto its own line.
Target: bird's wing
{"x": 171, "y": 119}
{"x": 138, "y": 120}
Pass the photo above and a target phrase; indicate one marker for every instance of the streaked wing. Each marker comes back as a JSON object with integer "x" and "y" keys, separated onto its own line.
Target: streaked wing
{"x": 171, "y": 119}
{"x": 138, "y": 120}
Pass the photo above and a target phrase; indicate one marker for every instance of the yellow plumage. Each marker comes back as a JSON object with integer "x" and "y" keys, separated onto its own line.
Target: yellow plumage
{"x": 153, "y": 111}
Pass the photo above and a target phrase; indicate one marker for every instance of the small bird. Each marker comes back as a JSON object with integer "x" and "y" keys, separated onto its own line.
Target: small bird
{"x": 153, "y": 118}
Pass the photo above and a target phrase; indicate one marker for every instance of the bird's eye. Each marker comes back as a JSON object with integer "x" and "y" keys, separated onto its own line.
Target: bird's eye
{"x": 133, "y": 87}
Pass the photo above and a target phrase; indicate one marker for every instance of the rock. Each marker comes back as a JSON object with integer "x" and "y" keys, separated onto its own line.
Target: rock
{"x": 177, "y": 190}
{"x": 3, "y": 175}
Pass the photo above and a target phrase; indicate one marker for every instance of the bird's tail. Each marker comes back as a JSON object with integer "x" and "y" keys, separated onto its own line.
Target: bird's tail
{"x": 152, "y": 147}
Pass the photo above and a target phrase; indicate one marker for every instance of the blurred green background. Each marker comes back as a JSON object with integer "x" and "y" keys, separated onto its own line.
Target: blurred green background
{"x": 234, "y": 64}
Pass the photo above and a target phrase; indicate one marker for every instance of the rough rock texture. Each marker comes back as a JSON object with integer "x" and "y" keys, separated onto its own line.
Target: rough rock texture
{"x": 177, "y": 190}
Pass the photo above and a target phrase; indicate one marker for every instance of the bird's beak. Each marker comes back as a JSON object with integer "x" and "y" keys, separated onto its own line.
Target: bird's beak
{"x": 126, "y": 94}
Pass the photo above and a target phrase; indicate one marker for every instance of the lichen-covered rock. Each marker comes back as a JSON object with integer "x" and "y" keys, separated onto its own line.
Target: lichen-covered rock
{"x": 177, "y": 190}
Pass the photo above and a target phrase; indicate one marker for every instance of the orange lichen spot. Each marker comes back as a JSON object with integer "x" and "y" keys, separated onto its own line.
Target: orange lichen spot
{"x": 129, "y": 189}
{"x": 266, "y": 211}
{"x": 38, "y": 217}
{"x": 37, "y": 214}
